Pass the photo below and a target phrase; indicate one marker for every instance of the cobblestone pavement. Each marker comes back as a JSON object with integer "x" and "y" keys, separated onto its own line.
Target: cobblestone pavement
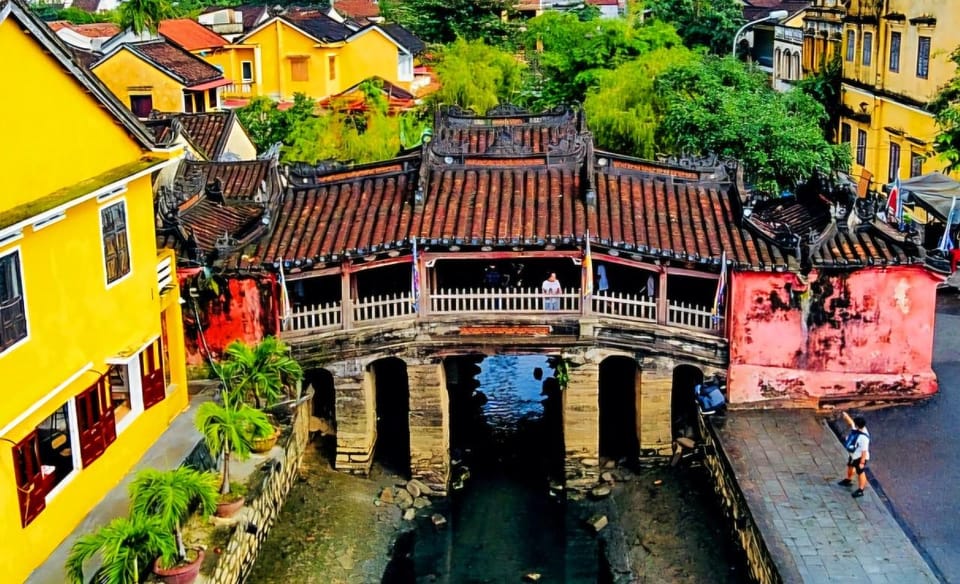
{"x": 787, "y": 464}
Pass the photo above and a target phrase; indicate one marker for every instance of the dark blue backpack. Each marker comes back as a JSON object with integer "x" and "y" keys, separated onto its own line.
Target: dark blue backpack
{"x": 851, "y": 441}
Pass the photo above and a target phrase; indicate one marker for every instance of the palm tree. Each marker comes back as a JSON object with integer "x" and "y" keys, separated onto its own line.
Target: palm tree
{"x": 144, "y": 15}
{"x": 169, "y": 495}
{"x": 261, "y": 372}
{"x": 228, "y": 429}
{"x": 126, "y": 546}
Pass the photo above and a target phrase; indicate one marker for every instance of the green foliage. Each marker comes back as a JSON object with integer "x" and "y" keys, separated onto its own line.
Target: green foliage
{"x": 126, "y": 547}
{"x": 573, "y": 53}
{"x": 623, "y": 111}
{"x": 170, "y": 495}
{"x": 946, "y": 109}
{"x": 264, "y": 373}
{"x": 143, "y": 15}
{"x": 228, "y": 428}
{"x": 702, "y": 23}
{"x": 444, "y": 21}
{"x": 721, "y": 106}
{"x": 476, "y": 76}
{"x": 824, "y": 88}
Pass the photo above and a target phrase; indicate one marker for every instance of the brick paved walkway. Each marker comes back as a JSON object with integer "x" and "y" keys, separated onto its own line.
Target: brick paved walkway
{"x": 787, "y": 464}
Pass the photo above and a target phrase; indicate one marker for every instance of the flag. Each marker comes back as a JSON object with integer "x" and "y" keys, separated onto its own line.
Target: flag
{"x": 895, "y": 203}
{"x": 721, "y": 288}
{"x": 415, "y": 279}
{"x": 587, "y": 270}
{"x": 946, "y": 242}
{"x": 285, "y": 296}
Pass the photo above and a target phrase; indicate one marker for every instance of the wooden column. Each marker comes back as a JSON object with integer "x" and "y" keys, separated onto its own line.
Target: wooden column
{"x": 424, "y": 305}
{"x": 346, "y": 297}
{"x": 663, "y": 306}
{"x": 429, "y": 423}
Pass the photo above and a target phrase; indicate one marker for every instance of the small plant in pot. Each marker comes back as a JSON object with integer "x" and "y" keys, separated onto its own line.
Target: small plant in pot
{"x": 228, "y": 429}
{"x": 170, "y": 496}
{"x": 126, "y": 546}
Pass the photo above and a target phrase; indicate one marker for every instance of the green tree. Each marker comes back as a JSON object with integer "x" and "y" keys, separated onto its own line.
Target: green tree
{"x": 444, "y": 21}
{"x": 824, "y": 88}
{"x": 702, "y": 23}
{"x": 721, "y": 106}
{"x": 263, "y": 121}
{"x": 476, "y": 76}
{"x": 623, "y": 111}
{"x": 126, "y": 546}
{"x": 263, "y": 373}
{"x": 569, "y": 55}
{"x": 170, "y": 495}
{"x": 143, "y": 15}
{"x": 228, "y": 429}
{"x": 946, "y": 108}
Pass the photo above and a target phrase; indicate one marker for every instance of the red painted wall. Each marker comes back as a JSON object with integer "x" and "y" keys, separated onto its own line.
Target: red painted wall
{"x": 832, "y": 334}
{"x": 245, "y": 309}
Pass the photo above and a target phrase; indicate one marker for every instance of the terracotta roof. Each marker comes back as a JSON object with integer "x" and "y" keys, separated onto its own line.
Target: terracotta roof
{"x": 86, "y": 5}
{"x": 92, "y": 30}
{"x": 190, "y": 35}
{"x": 352, "y": 99}
{"x": 356, "y": 8}
{"x": 243, "y": 181}
{"x": 186, "y": 68}
{"x": 207, "y": 132}
{"x": 863, "y": 247}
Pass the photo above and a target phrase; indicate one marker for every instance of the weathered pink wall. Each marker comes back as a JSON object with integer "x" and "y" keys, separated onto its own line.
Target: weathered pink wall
{"x": 244, "y": 310}
{"x": 833, "y": 334}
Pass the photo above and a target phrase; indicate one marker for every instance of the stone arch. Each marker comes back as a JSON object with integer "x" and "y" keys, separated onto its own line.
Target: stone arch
{"x": 323, "y": 407}
{"x": 788, "y": 68}
{"x": 778, "y": 64}
{"x": 683, "y": 408}
{"x": 796, "y": 66}
{"x": 618, "y": 410}
{"x": 391, "y": 393}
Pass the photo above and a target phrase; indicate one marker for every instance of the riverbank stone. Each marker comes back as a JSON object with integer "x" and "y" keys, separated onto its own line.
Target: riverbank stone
{"x": 598, "y": 522}
{"x": 438, "y": 520}
{"x": 404, "y": 499}
{"x": 410, "y": 514}
{"x": 421, "y": 503}
{"x": 386, "y": 495}
{"x": 600, "y": 492}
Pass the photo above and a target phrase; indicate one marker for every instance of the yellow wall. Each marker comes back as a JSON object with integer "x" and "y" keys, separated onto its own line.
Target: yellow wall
{"x": 65, "y": 142}
{"x": 58, "y": 138}
{"x": 370, "y": 54}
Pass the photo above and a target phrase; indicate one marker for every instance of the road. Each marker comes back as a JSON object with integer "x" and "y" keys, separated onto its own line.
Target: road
{"x": 915, "y": 453}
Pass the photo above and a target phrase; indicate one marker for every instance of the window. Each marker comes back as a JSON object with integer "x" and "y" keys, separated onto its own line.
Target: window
{"x": 861, "y": 147}
{"x": 894, "y": 167}
{"x": 118, "y": 377}
{"x": 923, "y": 57}
{"x": 867, "y": 56}
{"x": 141, "y": 105}
{"x": 851, "y": 44}
{"x": 28, "y": 475}
{"x": 152, "y": 374}
{"x": 212, "y": 98}
{"x": 194, "y": 102}
{"x": 895, "y": 52}
{"x": 116, "y": 246}
{"x": 13, "y": 314}
{"x": 41, "y": 461}
{"x": 97, "y": 424}
{"x": 246, "y": 71}
{"x": 916, "y": 164}
{"x": 332, "y": 67}
{"x": 778, "y": 59}
{"x": 844, "y": 133}
{"x": 299, "y": 70}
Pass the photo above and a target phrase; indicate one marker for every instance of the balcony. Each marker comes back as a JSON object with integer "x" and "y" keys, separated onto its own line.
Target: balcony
{"x": 165, "y": 270}
{"x": 241, "y": 89}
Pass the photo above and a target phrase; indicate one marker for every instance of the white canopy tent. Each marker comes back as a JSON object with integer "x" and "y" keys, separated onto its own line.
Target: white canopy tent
{"x": 934, "y": 192}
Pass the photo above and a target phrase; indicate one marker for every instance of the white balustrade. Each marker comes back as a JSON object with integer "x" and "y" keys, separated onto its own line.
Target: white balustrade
{"x": 313, "y": 317}
{"x": 692, "y": 316}
{"x": 625, "y": 306}
{"x": 499, "y": 300}
{"x": 386, "y": 307}
{"x": 165, "y": 271}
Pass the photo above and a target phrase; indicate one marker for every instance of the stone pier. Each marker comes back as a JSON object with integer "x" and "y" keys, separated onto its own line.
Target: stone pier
{"x": 356, "y": 417}
{"x": 429, "y": 423}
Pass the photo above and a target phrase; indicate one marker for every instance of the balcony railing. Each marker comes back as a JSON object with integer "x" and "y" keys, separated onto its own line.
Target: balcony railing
{"x": 164, "y": 270}
{"x": 478, "y": 301}
{"x": 242, "y": 89}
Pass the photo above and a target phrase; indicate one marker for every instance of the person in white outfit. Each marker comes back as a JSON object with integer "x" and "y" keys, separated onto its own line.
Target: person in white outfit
{"x": 551, "y": 291}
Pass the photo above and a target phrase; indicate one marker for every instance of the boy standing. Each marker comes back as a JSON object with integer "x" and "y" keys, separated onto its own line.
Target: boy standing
{"x": 857, "y": 461}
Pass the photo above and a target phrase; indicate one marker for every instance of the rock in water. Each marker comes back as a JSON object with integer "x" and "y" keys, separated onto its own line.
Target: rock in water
{"x": 410, "y": 514}
{"x": 386, "y": 495}
{"x": 439, "y": 521}
{"x": 424, "y": 489}
{"x": 404, "y": 499}
{"x": 590, "y": 462}
{"x": 532, "y": 577}
{"x": 421, "y": 502}
{"x": 598, "y": 522}
{"x": 600, "y": 492}
{"x": 607, "y": 477}
{"x": 413, "y": 489}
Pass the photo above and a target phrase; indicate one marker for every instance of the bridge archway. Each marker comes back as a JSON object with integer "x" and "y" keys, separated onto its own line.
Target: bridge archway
{"x": 392, "y": 409}
{"x": 683, "y": 408}
{"x": 324, "y": 406}
{"x": 619, "y": 422}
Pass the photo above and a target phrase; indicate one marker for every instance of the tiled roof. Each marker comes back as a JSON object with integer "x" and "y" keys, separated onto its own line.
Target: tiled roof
{"x": 92, "y": 30}
{"x": 755, "y": 9}
{"x": 357, "y": 8}
{"x": 352, "y": 99}
{"x": 404, "y": 37}
{"x": 509, "y": 134}
{"x": 86, "y": 5}
{"x": 317, "y": 24}
{"x": 83, "y": 58}
{"x": 548, "y": 192}
{"x": 176, "y": 62}
{"x": 208, "y": 132}
{"x": 190, "y": 34}
{"x": 243, "y": 181}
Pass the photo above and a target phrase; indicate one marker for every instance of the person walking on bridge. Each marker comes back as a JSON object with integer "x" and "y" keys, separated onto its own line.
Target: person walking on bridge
{"x": 859, "y": 447}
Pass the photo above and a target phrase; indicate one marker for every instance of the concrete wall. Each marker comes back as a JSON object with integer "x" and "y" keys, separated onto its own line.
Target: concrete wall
{"x": 834, "y": 335}
{"x": 241, "y": 551}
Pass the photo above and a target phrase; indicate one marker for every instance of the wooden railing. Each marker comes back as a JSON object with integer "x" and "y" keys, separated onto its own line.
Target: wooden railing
{"x": 314, "y": 317}
{"x": 164, "y": 269}
{"x": 691, "y": 316}
{"x": 625, "y": 306}
{"x": 512, "y": 301}
{"x": 378, "y": 308}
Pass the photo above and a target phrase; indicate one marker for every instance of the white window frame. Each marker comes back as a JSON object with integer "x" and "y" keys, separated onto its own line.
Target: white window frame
{"x": 405, "y": 67}
{"x": 74, "y": 451}
{"x": 135, "y": 385}
{"x": 244, "y": 79}
{"x": 126, "y": 232}
{"x": 26, "y": 305}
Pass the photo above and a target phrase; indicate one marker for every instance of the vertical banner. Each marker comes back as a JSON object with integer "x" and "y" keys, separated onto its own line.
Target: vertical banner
{"x": 717, "y": 311}
{"x": 415, "y": 279}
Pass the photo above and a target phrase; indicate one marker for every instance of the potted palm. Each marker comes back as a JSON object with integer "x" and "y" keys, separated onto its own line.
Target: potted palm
{"x": 228, "y": 429}
{"x": 265, "y": 373}
{"x": 126, "y": 546}
{"x": 170, "y": 496}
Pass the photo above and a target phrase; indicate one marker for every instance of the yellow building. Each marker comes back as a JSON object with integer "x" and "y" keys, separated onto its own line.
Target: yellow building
{"x": 91, "y": 339}
{"x": 822, "y": 31}
{"x": 159, "y": 75}
{"x": 305, "y": 51}
{"x": 894, "y": 60}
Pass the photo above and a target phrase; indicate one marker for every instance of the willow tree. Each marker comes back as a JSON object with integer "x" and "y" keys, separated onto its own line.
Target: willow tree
{"x": 477, "y": 76}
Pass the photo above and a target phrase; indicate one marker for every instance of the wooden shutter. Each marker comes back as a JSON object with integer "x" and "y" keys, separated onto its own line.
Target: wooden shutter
{"x": 97, "y": 424}
{"x": 299, "y": 70}
{"x": 26, "y": 467}
{"x": 151, "y": 375}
